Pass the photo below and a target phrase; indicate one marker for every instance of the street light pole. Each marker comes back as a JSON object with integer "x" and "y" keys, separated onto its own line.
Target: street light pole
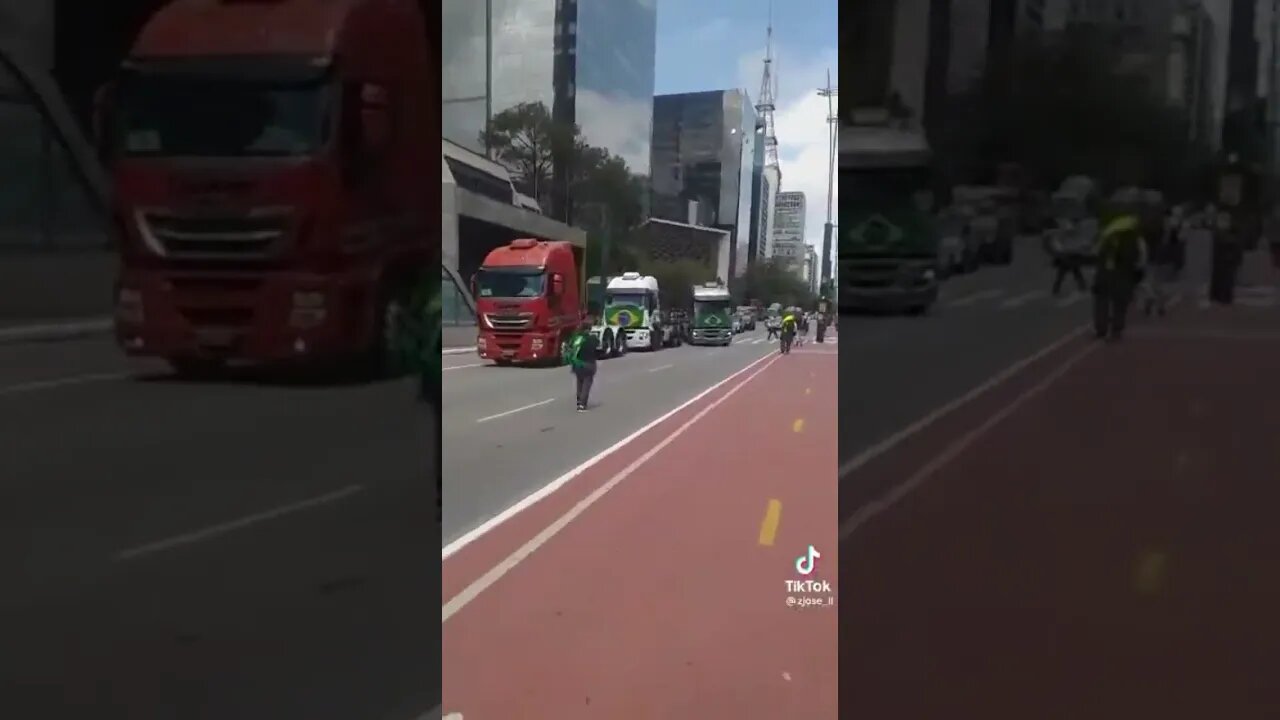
{"x": 828, "y": 229}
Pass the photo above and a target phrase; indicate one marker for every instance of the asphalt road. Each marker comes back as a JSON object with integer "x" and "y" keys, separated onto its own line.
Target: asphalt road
{"x": 653, "y": 583}
{"x": 1087, "y": 535}
{"x": 249, "y": 548}
{"x": 509, "y": 431}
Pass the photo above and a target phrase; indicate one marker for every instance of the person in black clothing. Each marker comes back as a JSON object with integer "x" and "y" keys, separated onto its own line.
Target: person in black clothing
{"x": 1227, "y": 254}
{"x": 1122, "y": 253}
{"x": 582, "y": 361}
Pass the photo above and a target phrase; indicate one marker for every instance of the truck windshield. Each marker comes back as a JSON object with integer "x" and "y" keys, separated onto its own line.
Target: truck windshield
{"x": 638, "y": 299}
{"x": 887, "y": 188}
{"x": 183, "y": 115}
{"x": 511, "y": 282}
{"x": 709, "y": 307}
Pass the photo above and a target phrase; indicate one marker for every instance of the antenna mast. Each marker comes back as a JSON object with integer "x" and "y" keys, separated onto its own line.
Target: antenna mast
{"x": 768, "y": 91}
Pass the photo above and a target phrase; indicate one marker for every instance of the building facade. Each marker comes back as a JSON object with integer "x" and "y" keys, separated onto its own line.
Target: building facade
{"x": 788, "y": 229}
{"x": 590, "y": 62}
{"x": 707, "y": 156}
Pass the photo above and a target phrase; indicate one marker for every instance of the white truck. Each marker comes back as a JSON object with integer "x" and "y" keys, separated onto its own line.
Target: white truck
{"x": 634, "y": 309}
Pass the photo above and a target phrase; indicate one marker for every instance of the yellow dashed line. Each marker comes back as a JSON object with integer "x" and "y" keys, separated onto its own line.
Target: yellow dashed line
{"x": 769, "y": 526}
{"x": 798, "y": 425}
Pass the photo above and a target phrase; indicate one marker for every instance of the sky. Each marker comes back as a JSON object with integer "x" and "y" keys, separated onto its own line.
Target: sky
{"x": 720, "y": 45}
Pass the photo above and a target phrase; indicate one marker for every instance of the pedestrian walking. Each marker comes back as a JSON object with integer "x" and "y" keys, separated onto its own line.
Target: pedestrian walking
{"x": 1228, "y": 252}
{"x": 582, "y": 354}
{"x": 1069, "y": 245}
{"x": 1121, "y": 257}
{"x": 1163, "y": 263}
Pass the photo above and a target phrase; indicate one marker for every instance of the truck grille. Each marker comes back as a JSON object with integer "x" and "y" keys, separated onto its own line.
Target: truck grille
{"x": 254, "y": 234}
{"x": 517, "y": 321}
{"x": 712, "y": 334}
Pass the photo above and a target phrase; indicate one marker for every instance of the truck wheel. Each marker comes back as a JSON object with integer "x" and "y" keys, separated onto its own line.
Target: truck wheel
{"x": 197, "y": 368}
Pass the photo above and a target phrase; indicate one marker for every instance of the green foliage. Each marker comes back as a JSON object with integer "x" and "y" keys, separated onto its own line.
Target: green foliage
{"x": 1074, "y": 107}
{"x": 604, "y": 191}
{"x": 676, "y": 280}
{"x": 774, "y": 281}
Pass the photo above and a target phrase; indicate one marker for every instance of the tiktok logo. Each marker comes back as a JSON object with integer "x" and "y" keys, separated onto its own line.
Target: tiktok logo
{"x": 806, "y": 563}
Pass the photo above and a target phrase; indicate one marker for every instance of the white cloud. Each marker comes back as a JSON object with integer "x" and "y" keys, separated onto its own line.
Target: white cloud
{"x": 800, "y": 123}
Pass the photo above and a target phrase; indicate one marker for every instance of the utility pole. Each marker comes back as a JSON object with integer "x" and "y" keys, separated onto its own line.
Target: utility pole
{"x": 833, "y": 134}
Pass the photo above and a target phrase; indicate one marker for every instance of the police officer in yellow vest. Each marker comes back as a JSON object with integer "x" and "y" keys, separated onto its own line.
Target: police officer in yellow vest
{"x": 1122, "y": 255}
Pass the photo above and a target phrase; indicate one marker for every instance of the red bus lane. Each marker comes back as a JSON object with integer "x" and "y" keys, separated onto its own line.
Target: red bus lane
{"x": 668, "y": 597}
{"x": 1106, "y": 550}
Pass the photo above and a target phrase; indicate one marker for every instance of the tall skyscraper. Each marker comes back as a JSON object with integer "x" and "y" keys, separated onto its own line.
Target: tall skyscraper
{"x": 707, "y": 151}
{"x": 590, "y": 62}
{"x": 788, "y": 229}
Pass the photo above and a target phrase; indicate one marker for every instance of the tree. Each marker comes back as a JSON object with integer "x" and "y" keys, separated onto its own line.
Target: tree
{"x": 774, "y": 280}
{"x": 527, "y": 141}
{"x": 1077, "y": 106}
{"x": 676, "y": 279}
{"x": 601, "y": 188}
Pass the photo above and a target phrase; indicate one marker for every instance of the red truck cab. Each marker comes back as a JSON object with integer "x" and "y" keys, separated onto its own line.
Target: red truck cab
{"x": 529, "y": 299}
{"x": 270, "y": 160}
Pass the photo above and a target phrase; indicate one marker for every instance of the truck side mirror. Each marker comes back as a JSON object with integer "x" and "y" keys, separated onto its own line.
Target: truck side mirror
{"x": 375, "y": 119}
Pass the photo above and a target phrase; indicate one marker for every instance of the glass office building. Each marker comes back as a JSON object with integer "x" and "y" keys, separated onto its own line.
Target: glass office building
{"x": 707, "y": 162}
{"x": 589, "y": 61}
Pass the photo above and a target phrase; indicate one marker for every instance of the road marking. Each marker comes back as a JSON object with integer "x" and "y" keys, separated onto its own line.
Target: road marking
{"x": 537, "y": 495}
{"x": 495, "y": 573}
{"x": 223, "y": 528}
{"x": 61, "y": 382}
{"x": 458, "y": 351}
{"x": 975, "y": 297}
{"x": 459, "y": 367}
{"x": 874, "y": 508}
{"x": 769, "y": 526}
{"x": 798, "y": 425}
{"x": 1003, "y": 376}
{"x": 519, "y": 409}
{"x": 1023, "y": 299}
{"x": 662, "y": 367}
{"x": 1072, "y": 299}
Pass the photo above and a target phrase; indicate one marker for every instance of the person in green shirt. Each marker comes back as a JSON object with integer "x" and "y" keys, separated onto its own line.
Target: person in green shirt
{"x": 420, "y": 340}
{"x": 581, "y": 352}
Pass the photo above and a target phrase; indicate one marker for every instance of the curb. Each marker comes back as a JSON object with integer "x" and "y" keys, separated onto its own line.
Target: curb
{"x": 54, "y": 332}
{"x": 457, "y": 350}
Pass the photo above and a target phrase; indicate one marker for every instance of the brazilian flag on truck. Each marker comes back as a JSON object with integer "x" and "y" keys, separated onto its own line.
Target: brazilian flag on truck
{"x": 420, "y": 343}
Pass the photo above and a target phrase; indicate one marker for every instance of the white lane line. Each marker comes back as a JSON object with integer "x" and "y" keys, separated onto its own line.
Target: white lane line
{"x": 223, "y": 528}
{"x": 519, "y": 409}
{"x": 459, "y": 367}
{"x": 901, "y": 490}
{"x": 457, "y": 351}
{"x": 661, "y": 367}
{"x": 495, "y": 573}
{"x": 61, "y": 382}
{"x": 1003, "y": 376}
{"x": 561, "y": 481}
{"x": 1072, "y": 299}
{"x": 1023, "y": 299}
{"x": 973, "y": 298}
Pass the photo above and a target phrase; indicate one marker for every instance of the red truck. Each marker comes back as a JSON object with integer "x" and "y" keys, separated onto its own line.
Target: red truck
{"x": 528, "y": 300}
{"x": 270, "y": 161}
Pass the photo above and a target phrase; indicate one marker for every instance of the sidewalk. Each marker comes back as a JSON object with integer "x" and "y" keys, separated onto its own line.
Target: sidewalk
{"x": 665, "y": 597}
{"x": 1094, "y": 539}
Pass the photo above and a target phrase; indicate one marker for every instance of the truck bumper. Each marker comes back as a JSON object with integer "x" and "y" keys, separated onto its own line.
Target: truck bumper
{"x": 517, "y": 346}
{"x": 638, "y": 337}
{"x": 717, "y": 336}
{"x": 254, "y": 317}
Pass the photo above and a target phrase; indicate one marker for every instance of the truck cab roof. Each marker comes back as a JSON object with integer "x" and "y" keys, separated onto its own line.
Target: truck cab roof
{"x": 305, "y": 28}
{"x": 879, "y": 147}
{"x": 524, "y": 252}
{"x": 634, "y": 281}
